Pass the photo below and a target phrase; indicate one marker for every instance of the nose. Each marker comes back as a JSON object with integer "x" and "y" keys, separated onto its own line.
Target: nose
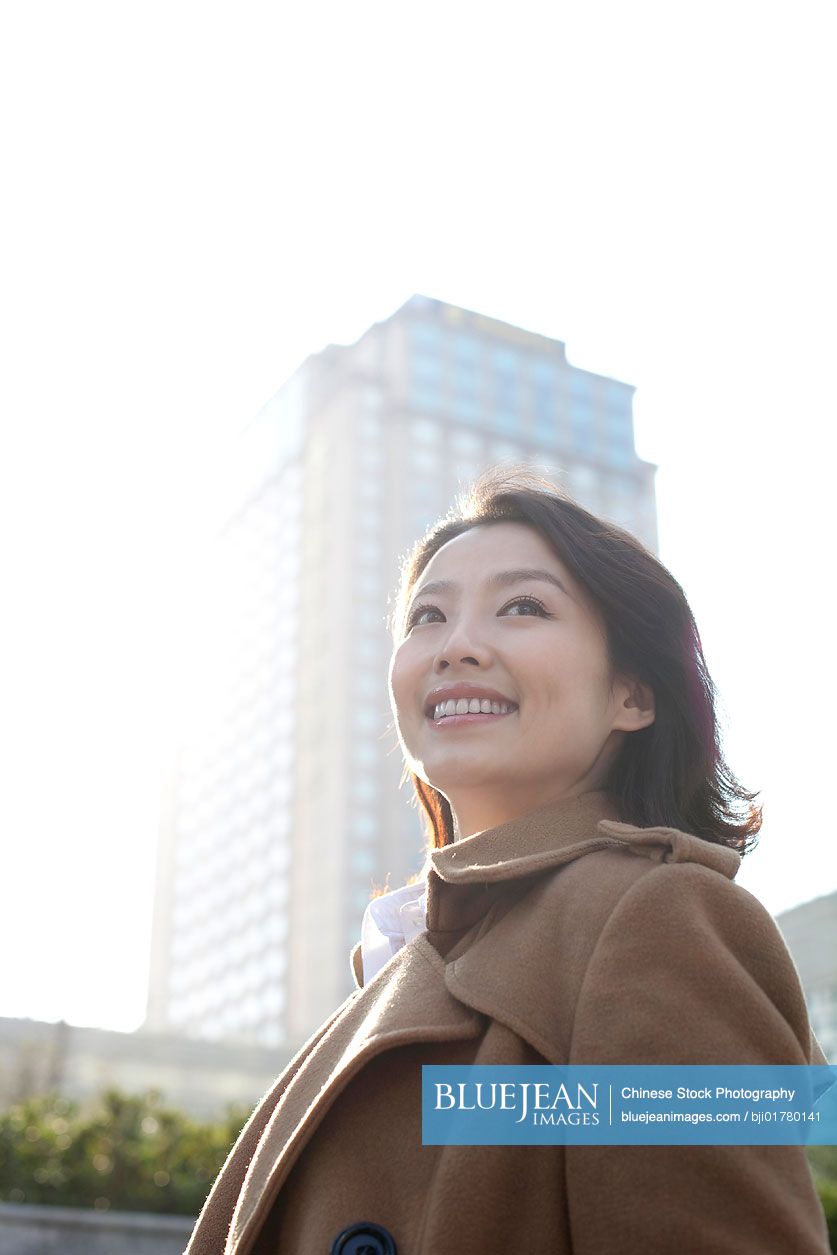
{"x": 441, "y": 663}
{"x": 461, "y": 645}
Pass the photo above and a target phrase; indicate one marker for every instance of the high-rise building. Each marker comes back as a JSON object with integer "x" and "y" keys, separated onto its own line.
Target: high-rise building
{"x": 284, "y": 807}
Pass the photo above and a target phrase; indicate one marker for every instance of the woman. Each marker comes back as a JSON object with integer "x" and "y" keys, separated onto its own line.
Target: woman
{"x": 578, "y": 905}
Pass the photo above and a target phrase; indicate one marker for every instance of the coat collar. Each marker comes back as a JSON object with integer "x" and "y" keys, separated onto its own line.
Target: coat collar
{"x": 460, "y": 876}
{"x": 526, "y": 844}
{"x": 463, "y": 880}
{"x": 563, "y": 830}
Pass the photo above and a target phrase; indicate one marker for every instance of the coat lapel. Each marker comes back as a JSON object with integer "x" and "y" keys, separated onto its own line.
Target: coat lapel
{"x": 410, "y": 999}
{"x": 405, "y": 1006}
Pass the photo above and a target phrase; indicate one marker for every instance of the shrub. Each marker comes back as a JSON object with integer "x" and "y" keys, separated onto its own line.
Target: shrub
{"x": 127, "y": 1152}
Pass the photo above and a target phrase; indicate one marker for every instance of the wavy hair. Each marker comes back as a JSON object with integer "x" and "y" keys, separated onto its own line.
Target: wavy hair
{"x": 670, "y": 773}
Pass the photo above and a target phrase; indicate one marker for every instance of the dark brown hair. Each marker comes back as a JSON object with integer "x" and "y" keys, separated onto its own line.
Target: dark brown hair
{"x": 670, "y": 773}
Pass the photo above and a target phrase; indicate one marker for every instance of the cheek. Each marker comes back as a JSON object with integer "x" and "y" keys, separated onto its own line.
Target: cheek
{"x": 564, "y": 682}
{"x": 402, "y": 678}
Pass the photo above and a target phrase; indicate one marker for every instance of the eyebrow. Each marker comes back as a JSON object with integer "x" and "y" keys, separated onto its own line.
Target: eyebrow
{"x": 501, "y": 578}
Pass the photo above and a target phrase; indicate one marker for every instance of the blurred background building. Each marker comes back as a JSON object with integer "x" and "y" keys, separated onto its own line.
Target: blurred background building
{"x": 811, "y": 933}
{"x": 201, "y": 1078}
{"x": 284, "y": 808}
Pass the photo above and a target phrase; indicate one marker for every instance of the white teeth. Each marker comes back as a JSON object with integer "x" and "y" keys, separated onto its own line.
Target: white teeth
{"x": 470, "y": 706}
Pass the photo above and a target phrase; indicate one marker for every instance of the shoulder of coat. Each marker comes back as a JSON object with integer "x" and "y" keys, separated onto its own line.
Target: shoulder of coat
{"x": 671, "y": 845}
{"x": 356, "y": 964}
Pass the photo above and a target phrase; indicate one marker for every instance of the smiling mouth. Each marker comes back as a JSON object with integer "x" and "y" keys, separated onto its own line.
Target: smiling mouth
{"x": 451, "y": 713}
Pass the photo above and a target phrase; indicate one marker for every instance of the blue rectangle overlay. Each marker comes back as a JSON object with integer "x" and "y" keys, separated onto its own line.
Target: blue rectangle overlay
{"x": 630, "y": 1105}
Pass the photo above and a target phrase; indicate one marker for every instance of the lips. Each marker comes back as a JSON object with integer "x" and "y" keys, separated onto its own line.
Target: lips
{"x": 451, "y": 722}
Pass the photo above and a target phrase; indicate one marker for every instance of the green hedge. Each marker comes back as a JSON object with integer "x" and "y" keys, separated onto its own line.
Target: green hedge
{"x": 823, "y": 1161}
{"x": 130, "y": 1153}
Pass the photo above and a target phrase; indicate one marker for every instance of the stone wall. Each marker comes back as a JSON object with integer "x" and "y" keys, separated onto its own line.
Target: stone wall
{"x": 33, "y": 1230}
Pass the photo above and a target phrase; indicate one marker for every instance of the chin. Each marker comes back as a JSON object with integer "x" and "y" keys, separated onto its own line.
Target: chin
{"x": 460, "y": 776}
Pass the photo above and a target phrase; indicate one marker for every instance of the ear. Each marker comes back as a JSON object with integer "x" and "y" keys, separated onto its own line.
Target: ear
{"x": 637, "y": 708}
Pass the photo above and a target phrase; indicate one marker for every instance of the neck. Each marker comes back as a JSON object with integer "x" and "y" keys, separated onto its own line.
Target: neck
{"x": 478, "y": 814}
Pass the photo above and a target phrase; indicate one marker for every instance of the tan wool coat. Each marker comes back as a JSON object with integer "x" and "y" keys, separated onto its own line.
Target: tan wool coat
{"x": 561, "y": 937}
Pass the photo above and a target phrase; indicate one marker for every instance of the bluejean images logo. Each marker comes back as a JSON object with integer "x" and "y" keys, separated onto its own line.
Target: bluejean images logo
{"x": 474, "y": 1105}
{"x": 546, "y": 1103}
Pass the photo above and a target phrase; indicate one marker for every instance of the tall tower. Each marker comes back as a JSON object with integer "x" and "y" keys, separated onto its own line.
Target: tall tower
{"x": 284, "y": 807}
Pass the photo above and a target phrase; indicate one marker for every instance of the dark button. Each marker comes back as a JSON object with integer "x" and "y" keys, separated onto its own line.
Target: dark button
{"x": 364, "y": 1238}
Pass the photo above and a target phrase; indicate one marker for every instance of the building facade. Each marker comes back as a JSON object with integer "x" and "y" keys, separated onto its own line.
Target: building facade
{"x": 811, "y": 933}
{"x": 201, "y": 1078}
{"x": 284, "y": 808}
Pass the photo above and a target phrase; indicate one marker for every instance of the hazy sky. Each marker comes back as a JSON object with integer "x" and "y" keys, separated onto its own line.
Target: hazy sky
{"x": 199, "y": 196}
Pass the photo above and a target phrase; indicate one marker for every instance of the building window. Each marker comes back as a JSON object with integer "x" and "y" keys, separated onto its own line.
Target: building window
{"x": 548, "y": 400}
{"x": 425, "y": 366}
{"x": 368, "y": 683}
{"x": 467, "y": 443}
{"x": 364, "y": 787}
{"x": 371, "y": 400}
{"x": 466, "y": 406}
{"x": 619, "y": 454}
{"x": 506, "y": 360}
{"x": 424, "y": 394}
{"x": 619, "y": 438}
{"x": 545, "y": 413}
{"x": 466, "y": 350}
{"x": 421, "y": 518}
{"x": 506, "y": 388}
{"x": 504, "y": 451}
{"x": 365, "y": 753}
{"x": 425, "y": 430}
{"x": 362, "y": 861}
{"x": 467, "y": 471}
{"x": 368, "y": 549}
{"x": 583, "y": 480}
{"x": 365, "y": 719}
{"x": 370, "y": 488}
{"x": 370, "y": 455}
{"x": 367, "y": 583}
{"x": 422, "y": 459}
{"x": 466, "y": 377}
{"x": 617, "y": 396}
{"x": 582, "y": 430}
{"x": 361, "y": 899}
{"x": 369, "y": 647}
{"x": 363, "y": 824}
{"x": 425, "y": 335}
{"x": 369, "y": 427}
{"x": 580, "y": 388}
{"x": 369, "y": 616}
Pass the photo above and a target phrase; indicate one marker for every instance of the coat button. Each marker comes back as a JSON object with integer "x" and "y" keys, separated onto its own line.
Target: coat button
{"x": 364, "y": 1238}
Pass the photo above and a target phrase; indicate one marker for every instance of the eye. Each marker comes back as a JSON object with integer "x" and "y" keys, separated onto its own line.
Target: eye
{"x": 531, "y": 601}
{"x": 419, "y": 611}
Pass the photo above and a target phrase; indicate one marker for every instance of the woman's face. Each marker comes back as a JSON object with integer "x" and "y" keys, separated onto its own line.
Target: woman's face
{"x": 537, "y": 642}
